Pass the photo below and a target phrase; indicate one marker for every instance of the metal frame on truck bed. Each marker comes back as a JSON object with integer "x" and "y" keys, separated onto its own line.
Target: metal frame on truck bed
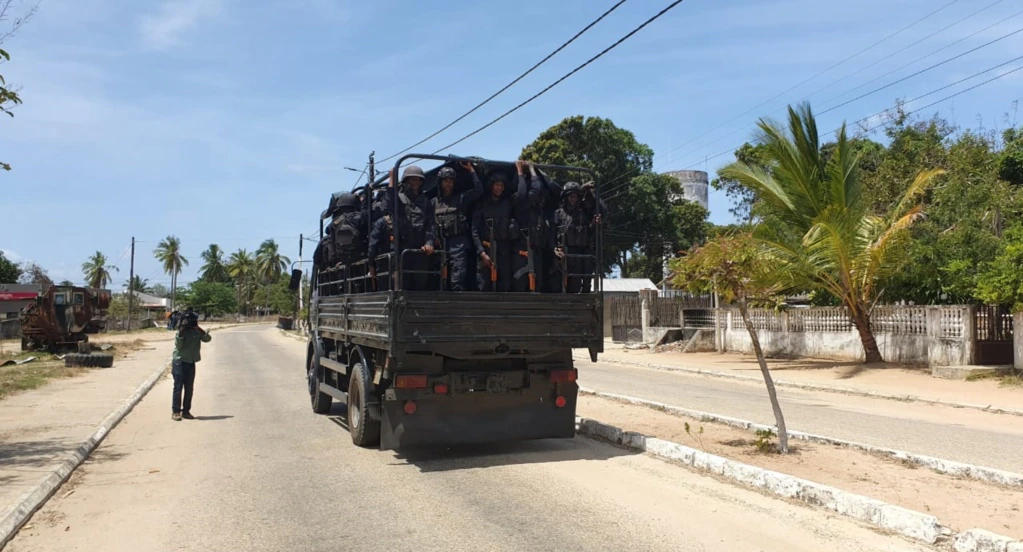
{"x": 433, "y": 366}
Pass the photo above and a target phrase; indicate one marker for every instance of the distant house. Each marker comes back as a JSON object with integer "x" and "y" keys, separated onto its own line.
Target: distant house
{"x": 621, "y": 287}
{"x": 14, "y": 297}
{"x": 151, "y": 305}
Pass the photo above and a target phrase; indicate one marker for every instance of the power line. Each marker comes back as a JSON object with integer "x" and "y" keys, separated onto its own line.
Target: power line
{"x": 563, "y": 78}
{"x": 904, "y": 48}
{"x": 510, "y": 84}
{"x": 946, "y": 98}
{"x": 874, "y": 91}
{"x": 920, "y": 72}
{"x": 921, "y": 58}
{"x": 793, "y": 87}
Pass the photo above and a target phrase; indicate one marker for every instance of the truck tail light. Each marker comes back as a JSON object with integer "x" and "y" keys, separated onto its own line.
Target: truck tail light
{"x": 410, "y": 407}
{"x": 418, "y": 381}
{"x": 440, "y": 389}
{"x": 563, "y": 376}
{"x": 560, "y": 402}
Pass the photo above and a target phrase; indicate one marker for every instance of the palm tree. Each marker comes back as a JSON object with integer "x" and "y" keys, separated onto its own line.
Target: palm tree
{"x": 818, "y": 222}
{"x": 168, "y": 252}
{"x": 138, "y": 284}
{"x": 213, "y": 268}
{"x": 270, "y": 264}
{"x": 96, "y": 271}
{"x": 242, "y": 268}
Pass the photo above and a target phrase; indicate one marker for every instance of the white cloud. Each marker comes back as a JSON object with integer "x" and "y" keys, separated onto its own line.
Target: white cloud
{"x": 174, "y": 18}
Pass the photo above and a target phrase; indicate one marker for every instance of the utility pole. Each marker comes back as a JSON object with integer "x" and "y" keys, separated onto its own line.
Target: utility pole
{"x": 664, "y": 269}
{"x": 131, "y": 283}
{"x": 301, "y": 240}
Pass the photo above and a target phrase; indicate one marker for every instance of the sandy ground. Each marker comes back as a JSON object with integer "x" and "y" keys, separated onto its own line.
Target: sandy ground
{"x": 258, "y": 471}
{"x": 959, "y": 503}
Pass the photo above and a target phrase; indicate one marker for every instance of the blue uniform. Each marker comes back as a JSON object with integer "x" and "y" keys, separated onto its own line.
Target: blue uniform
{"x": 452, "y": 221}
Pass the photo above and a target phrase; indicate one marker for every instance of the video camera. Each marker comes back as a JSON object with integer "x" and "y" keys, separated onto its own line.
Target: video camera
{"x": 189, "y": 320}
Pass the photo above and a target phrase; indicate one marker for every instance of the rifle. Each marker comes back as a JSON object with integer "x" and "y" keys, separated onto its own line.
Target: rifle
{"x": 492, "y": 246}
{"x": 530, "y": 267}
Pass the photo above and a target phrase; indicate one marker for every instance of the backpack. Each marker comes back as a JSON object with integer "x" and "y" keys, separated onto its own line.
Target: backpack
{"x": 346, "y": 238}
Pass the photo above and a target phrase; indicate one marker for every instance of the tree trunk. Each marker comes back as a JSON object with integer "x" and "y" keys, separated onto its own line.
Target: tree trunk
{"x": 779, "y": 418}
{"x": 861, "y": 319}
{"x": 174, "y": 291}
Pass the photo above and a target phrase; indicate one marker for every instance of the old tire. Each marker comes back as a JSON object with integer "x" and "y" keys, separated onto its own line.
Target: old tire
{"x": 319, "y": 400}
{"x": 80, "y": 360}
{"x": 365, "y": 431}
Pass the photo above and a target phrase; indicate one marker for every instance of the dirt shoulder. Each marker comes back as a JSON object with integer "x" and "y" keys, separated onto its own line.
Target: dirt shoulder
{"x": 959, "y": 503}
{"x": 887, "y": 379}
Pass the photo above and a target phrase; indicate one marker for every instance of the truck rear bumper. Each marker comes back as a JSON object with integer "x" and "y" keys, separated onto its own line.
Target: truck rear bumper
{"x": 472, "y": 418}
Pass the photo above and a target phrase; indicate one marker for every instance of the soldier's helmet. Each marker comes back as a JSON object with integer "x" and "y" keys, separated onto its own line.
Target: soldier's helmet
{"x": 571, "y": 188}
{"x": 498, "y": 177}
{"x": 446, "y": 172}
{"x": 348, "y": 202}
{"x": 412, "y": 171}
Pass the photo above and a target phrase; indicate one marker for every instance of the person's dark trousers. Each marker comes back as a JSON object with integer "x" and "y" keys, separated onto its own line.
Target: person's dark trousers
{"x": 184, "y": 378}
{"x": 459, "y": 250}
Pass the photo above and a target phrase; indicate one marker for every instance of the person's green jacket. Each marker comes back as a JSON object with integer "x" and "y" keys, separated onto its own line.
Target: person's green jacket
{"x": 187, "y": 345}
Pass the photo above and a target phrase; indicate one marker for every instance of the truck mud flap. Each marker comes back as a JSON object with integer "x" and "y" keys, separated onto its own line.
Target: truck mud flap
{"x": 475, "y": 418}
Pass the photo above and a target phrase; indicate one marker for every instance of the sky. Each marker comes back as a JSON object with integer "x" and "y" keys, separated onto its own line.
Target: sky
{"x": 230, "y": 121}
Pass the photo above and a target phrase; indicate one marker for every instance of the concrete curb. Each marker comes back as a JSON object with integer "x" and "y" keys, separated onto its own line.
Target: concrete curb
{"x": 950, "y": 467}
{"x": 915, "y": 525}
{"x": 294, "y": 336}
{"x": 979, "y": 540}
{"x": 815, "y": 387}
{"x": 34, "y": 499}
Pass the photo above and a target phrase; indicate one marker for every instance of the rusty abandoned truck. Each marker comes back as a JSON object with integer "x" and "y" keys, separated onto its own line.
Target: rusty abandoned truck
{"x": 61, "y": 317}
{"x": 437, "y": 367}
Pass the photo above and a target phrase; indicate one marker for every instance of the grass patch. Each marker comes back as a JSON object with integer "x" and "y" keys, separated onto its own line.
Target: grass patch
{"x": 1012, "y": 380}
{"x": 15, "y": 378}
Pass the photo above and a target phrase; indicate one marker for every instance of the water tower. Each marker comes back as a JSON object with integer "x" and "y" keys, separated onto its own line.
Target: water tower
{"x": 694, "y": 185}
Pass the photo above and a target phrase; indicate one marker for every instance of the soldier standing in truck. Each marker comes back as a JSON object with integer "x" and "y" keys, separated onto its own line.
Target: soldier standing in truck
{"x": 452, "y": 214}
{"x": 416, "y": 229}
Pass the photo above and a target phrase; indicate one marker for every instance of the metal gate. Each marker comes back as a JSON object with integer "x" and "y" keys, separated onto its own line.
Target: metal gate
{"x": 994, "y": 335}
{"x": 626, "y": 319}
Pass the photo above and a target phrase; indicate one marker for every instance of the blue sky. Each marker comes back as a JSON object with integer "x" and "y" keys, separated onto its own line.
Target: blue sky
{"x": 230, "y": 121}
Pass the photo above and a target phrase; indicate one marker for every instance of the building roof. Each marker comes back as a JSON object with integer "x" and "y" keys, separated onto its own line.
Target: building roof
{"x": 627, "y": 285}
{"x": 151, "y": 301}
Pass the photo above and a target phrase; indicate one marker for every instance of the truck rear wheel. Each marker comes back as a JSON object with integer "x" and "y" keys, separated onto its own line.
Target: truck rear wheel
{"x": 365, "y": 431}
{"x": 320, "y": 401}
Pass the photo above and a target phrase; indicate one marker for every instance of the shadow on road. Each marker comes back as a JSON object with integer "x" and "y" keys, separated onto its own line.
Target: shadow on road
{"x": 208, "y": 418}
{"x": 462, "y": 457}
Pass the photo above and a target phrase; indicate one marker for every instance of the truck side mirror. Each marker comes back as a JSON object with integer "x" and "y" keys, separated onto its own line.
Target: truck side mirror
{"x": 296, "y": 278}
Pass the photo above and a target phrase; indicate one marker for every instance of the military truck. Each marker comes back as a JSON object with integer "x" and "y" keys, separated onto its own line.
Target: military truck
{"x": 436, "y": 367}
{"x": 61, "y": 317}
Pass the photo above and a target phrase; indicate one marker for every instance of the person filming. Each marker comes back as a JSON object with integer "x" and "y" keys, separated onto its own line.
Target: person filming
{"x": 186, "y": 353}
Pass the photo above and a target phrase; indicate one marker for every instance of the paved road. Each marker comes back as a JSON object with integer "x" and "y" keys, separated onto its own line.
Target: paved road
{"x": 260, "y": 472}
{"x": 993, "y": 440}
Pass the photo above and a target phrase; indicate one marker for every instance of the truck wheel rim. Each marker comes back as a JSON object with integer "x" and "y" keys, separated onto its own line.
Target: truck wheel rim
{"x": 312, "y": 380}
{"x": 354, "y": 408}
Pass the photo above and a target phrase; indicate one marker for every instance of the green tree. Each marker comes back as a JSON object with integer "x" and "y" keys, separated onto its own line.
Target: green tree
{"x": 1010, "y": 163}
{"x": 9, "y": 97}
{"x": 741, "y": 197}
{"x": 66, "y": 283}
{"x": 647, "y": 210}
{"x": 10, "y": 271}
{"x": 270, "y": 264}
{"x": 214, "y": 268}
{"x": 1001, "y": 280}
{"x": 138, "y": 284}
{"x": 741, "y": 272}
{"x": 242, "y": 268}
{"x": 819, "y": 224}
{"x": 168, "y": 252}
{"x": 158, "y": 290}
{"x": 97, "y": 271}
{"x": 210, "y": 298}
